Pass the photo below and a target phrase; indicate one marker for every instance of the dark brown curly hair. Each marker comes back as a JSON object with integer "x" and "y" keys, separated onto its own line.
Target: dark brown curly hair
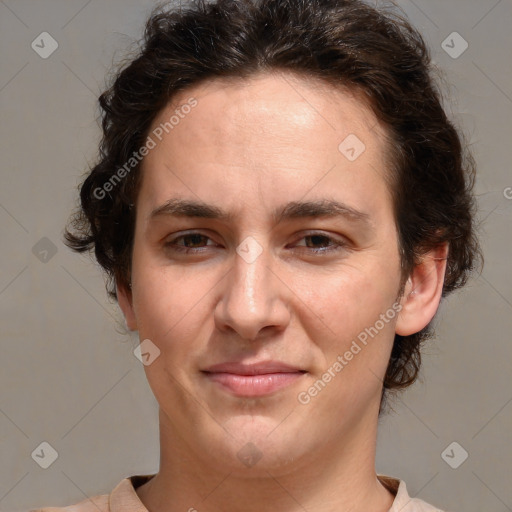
{"x": 344, "y": 43}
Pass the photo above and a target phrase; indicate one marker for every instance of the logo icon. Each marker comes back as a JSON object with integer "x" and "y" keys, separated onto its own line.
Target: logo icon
{"x": 249, "y": 455}
{"x": 454, "y": 455}
{"x": 351, "y": 147}
{"x": 44, "y": 45}
{"x": 454, "y": 45}
{"x": 44, "y": 250}
{"x": 249, "y": 249}
{"x": 146, "y": 352}
{"x": 45, "y": 455}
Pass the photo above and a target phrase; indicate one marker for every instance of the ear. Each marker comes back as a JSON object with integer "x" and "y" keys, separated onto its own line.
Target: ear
{"x": 124, "y": 297}
{"x": 422, "y": 292}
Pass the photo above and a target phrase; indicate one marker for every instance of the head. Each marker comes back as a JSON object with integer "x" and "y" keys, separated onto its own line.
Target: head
{"x": 278, "y": 180}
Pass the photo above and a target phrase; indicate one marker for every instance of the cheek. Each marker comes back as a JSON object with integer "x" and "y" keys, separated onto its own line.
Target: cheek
{"x": 165, "y": 297}
{"x": 357, "y": 319}
{"x": 352, "y": 358}
{"x": 353, "y": 299}
{"x": 172, "y": 312}
{"x": 166, "y": 306}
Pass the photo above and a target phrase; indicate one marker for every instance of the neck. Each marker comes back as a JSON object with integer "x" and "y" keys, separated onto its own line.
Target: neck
{"x": 340, "y": 478}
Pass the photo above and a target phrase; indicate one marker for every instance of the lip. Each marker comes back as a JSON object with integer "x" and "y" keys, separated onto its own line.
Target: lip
{"x": 260, "y": 368}
{"x": 251, "y": 380}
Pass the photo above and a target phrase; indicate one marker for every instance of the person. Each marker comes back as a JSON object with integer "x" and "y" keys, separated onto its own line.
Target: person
{"x": 280, "y": 203}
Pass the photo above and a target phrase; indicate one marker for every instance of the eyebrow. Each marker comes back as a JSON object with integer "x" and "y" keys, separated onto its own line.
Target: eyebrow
{"x": 325, "y": 208}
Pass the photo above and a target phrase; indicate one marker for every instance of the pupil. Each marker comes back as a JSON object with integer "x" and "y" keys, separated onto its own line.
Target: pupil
{"x": 196, "y": 239}
{"x": 317, "y": 239}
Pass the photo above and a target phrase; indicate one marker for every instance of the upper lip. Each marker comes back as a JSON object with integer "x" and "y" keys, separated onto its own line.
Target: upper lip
{"x": 260, "y": 368}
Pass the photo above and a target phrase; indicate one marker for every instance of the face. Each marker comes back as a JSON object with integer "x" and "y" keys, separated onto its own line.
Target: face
{"x": 265, "y": 271}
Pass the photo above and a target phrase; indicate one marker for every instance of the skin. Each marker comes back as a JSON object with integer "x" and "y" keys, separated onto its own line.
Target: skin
{"x": 250, "y": 147}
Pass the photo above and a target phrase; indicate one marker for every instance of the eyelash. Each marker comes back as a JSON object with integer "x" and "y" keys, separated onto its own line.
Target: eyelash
{"x": 337, "y": 245}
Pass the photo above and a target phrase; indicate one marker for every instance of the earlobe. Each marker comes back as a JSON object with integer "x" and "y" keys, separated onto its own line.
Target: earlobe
{"x": 422, "y": 292}
{"x": 124, "y": 298}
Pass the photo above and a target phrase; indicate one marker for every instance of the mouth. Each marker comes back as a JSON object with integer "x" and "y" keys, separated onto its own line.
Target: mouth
{"x": 252, "y": 380}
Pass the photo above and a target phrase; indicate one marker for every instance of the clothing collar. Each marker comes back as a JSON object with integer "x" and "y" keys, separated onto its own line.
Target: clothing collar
{"x": 124, "y": 497}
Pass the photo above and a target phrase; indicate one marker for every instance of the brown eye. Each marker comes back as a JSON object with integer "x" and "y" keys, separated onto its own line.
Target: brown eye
{"x": 189, "y": 243}
{"x": 316, "y": 240}
{"x": 321, "y": 243}
{"x": 193, "y": 240}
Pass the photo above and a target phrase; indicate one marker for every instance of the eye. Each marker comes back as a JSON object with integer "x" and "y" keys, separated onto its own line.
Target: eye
{"x": 321, "y": 243}
{"x": 196, "y": 242}
{"x": 189, "y": 243}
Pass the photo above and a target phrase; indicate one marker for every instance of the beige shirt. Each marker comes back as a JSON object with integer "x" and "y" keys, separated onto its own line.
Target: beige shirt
{"x": 124, "y": 498}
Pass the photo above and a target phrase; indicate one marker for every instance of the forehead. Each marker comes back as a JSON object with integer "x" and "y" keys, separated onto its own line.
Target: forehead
{"x": 269, "y": 132}
{"x": 271, "y": 104}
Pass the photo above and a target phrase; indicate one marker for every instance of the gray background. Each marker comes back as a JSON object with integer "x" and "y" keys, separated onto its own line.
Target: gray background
{"x": 67, "y": 372}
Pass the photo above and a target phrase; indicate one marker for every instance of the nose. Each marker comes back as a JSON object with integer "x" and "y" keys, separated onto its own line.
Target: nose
{"x": 254, "y": 299}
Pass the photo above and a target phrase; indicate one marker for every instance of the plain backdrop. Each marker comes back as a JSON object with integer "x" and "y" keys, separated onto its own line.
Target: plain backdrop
{"x": 68, "y": 376}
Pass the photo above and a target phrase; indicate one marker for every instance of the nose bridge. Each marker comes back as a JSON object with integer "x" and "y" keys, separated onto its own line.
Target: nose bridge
{"x": 252, "y": 299}
{"x": 250, "y": 288}
{"x": 251, "y": 284}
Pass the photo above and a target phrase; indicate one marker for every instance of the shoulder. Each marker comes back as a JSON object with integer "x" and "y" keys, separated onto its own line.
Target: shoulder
{"x": 94, "y": 504}
{"x": 403, "y": 502}
{"x": 417, "y": 505}
{"x": 122, "y": 498}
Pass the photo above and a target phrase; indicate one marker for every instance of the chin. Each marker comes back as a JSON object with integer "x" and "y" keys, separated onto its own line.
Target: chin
{"x": 258, "y": 445}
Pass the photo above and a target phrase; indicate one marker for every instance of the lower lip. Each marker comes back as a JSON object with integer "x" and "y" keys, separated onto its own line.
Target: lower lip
{"x": 254, "y": 385}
